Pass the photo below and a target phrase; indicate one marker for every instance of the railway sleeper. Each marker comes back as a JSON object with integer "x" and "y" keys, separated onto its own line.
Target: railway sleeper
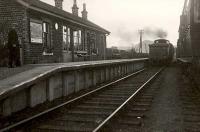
{"x": 129, "y": 121}
{"x": 107, "y": 99}
{"x": 103, "y": 113}
{"x": 96, "y": 107}
{"x": 113, "y": 96}
{"x": 63, "y": 128}
{"x": 92, "y": 109}
{"x": 122, "y": 128}
{"x": 83, "y": 117}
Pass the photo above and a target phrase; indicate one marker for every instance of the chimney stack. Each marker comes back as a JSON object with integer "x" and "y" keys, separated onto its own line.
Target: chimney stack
{"x": 75, "y": 9}
{"x": 59, "y": 4}
{"x": 84, "y": 12}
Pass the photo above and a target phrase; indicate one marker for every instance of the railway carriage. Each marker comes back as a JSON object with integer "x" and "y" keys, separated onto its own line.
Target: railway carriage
{"x": 161, "y": 52}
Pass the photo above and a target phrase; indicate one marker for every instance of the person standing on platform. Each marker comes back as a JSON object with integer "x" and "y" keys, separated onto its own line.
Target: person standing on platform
{"x": 13, "y": 49}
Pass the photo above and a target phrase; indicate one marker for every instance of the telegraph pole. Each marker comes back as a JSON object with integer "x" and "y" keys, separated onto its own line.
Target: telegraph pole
{"x": 141, "y": 34}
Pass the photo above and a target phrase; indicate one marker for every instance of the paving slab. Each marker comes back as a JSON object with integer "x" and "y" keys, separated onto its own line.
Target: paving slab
{"x": 6, "y": 72}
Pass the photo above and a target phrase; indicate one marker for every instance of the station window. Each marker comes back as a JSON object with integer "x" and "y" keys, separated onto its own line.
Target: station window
{"x": 187, "y": 4}
{"x": 93, "y": 44}
{"x": 46, "y": 38}
{"x": 102, "y": 40}
{"x": 36, "y": 31}
{"x": 197, "y": 11}
{"x": 78, "y": 46}
{"x": 66, "y": 38}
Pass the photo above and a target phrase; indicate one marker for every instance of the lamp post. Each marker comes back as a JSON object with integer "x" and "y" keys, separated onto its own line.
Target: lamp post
{"x": 141, "y": 34}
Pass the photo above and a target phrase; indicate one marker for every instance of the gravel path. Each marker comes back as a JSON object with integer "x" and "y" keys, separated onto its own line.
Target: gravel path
{"x": 166, "y": 112}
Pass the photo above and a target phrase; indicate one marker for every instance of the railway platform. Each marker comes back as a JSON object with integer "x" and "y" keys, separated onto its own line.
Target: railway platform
{"x": 47, "y": 82}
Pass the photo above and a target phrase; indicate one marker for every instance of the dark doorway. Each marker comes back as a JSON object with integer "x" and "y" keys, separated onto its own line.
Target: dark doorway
{"x": 13, "y": 49}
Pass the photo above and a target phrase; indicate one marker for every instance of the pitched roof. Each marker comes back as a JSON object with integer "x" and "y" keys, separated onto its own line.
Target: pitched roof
{"x": 44, "y": 7}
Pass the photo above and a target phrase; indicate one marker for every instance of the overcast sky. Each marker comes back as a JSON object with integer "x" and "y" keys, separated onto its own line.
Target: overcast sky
{"x": 123, "y": 18}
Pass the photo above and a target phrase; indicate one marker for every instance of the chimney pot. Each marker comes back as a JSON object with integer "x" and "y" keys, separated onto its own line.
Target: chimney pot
{"x": 59, "y": 4}
{"x": 75, "y": 8}
{"x": 84, "y": 12}
{"x": 84, "y": 6}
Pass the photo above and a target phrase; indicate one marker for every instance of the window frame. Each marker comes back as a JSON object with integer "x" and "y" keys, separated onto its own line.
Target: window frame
{"x": 67, "y": 35}
{"x": 47, "y": 44}
{"x": 93, "y": 43}
{"x": 78, "y": 40}
{"x": 36, "y": 22}
{"x": 196, "y": 11}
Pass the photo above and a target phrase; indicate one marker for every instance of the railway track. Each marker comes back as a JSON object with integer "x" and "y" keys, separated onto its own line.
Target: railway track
{"x": 132, "y": 116}
{"x": 96, "y": 110}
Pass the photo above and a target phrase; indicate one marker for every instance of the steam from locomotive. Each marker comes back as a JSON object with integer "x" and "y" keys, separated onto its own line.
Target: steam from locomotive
{"x": 155, "y": 33}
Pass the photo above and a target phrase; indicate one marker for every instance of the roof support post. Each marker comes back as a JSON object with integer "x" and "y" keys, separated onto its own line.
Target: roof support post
{"x": 72, "y": 43}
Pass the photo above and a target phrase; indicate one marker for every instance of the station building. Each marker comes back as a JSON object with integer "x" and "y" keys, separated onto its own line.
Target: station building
{"x": 188, "y": 45}
{"x": 48, "y": 34}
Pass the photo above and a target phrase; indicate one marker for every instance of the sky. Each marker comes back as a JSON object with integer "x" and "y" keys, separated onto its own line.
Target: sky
{"x": 124, "y": 18}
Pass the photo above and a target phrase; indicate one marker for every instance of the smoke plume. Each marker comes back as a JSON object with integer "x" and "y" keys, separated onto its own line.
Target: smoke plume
{"x": 126, "y": 35}
{"x": 131, "y": 35}
{"x": 155, "y": 32}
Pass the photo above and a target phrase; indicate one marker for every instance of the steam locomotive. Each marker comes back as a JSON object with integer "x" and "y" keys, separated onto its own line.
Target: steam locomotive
{"x": 161, "y": 52}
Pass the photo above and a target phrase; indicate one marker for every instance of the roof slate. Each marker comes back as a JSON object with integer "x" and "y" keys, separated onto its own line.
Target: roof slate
{"x": 52, "y": 9}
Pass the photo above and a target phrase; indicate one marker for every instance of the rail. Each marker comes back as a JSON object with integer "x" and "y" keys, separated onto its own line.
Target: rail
{"x": 127, "y": 101}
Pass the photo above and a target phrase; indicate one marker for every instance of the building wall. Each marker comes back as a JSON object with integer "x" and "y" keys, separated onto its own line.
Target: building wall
{"x": 34, "y": 52}
{"x": 189, "y": 32}
{"x": 101, "y": 45}
{"x": 195, "y": 29}
{"x": 57, "y": 40}
{"x": 13, "y": 16}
